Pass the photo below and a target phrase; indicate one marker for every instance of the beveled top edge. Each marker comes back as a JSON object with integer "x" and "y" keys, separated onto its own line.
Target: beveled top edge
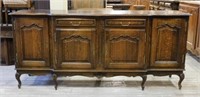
{"x": 100, "y": 12}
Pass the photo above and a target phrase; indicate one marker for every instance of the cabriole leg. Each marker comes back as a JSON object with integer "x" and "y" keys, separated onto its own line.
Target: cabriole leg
{"x": 55, "y": 81}
{"x": 144, "y": 78}
{"x": 17, "y": 76}
{"x": 181, "y": 76}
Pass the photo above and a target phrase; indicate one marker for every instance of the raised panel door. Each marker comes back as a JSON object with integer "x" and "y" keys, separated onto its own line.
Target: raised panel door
{"x": 75, "y": 48}
{"x": 124, "y": 48}
{"x": 32, "y": 42}
{"x": 167, "y": 43}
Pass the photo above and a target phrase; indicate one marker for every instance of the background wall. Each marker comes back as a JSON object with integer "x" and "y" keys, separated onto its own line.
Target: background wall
{"x": 58, "y": 4}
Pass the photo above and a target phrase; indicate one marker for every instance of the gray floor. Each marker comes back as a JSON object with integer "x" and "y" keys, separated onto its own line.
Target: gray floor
{"x": 120, "y": 86}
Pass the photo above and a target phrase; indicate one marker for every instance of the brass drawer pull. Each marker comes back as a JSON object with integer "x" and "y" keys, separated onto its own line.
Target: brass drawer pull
{"x": 76, "y": 23}
{"x": 123, "y": 24}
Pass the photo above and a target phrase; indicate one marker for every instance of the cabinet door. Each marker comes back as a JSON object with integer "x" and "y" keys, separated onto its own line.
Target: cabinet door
{"x": 124, "y": 48}
{"x": 75, "y": 48}
{"x": 192, "y": 29}
{"x": 32, "y": 42}
{"x": 168, "y": 43}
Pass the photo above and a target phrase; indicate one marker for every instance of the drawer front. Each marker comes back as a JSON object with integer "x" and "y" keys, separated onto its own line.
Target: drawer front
{"x": 75, "y": 22}
{"x": 126, "y": 22}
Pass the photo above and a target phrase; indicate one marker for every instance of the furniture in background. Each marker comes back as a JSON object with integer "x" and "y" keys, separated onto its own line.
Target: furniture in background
{"x": 164, "y": 4}
{"x": 117, "y": 5}
{"x": 7, "y": 47}
{"x": 80, "y": 4}
{"x": 193, "y": 39}
{"x": 138, "y": 4}
{"x": 6, "y": 35}
{"x": 100, "y": 43}
{"x": 14, "y": 5}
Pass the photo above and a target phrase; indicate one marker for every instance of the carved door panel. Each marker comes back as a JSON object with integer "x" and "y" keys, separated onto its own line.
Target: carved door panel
{"x": 125, "y": 48}
{"x": 32, "y": 42}
{"x": 168, "y": 45}
{"x": 75, "y": 48}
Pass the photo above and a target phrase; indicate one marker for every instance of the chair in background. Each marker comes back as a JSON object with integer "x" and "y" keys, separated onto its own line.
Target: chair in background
{"x": 14, "y": 5}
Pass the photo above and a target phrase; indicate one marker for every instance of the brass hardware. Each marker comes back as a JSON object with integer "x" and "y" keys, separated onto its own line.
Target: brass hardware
{"x": 125, "y": 24}
{"x": 75, "y": 24}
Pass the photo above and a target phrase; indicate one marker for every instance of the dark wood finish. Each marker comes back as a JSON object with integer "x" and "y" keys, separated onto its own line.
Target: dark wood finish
{"x": 124, "y": 47}
{"x": 193, "y": 40}
{"x": 167, "y": 39}
{"x": 32, "y": 42}
{"x": 7, "y": 54}
{"x": 75, "y": 47}
{"x": 32, "y": 46}
{"x": 7, "y": 48}
{"x": 100, "y": 43}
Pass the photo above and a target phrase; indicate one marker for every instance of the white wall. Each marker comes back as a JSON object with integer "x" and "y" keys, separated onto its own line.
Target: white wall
{"x": 58, "y": 5}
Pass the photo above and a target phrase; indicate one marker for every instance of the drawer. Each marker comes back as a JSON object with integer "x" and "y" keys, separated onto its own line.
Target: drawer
{"x": 75, "y": 22}
{"x": 126, "y": 22}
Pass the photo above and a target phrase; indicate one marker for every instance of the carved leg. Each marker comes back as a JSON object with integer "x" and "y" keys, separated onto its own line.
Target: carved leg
{"x": 181, "y": 76}
{"x": 144, "y": 78}
{"x": 17, "y": 76}
{"x": 55, "y": 81}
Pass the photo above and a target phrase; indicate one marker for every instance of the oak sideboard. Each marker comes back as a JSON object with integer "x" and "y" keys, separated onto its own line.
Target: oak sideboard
{"x": 100, "y": 42}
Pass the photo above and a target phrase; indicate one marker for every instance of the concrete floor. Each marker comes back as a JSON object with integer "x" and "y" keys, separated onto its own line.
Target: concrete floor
{"x": 120, "y": 86}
